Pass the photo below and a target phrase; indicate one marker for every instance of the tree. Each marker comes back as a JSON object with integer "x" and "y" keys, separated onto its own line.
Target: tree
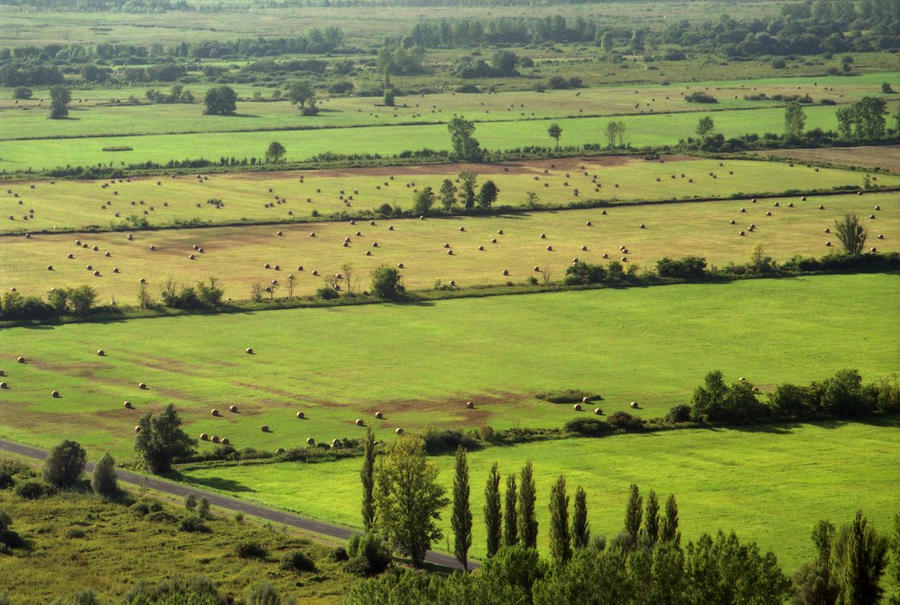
{"x": 467, "y": 188}
{"x": 448, "y": 194}
{"x": 386, "y": 282}
{"x": 408, "y": 499}
{"x": 560, "y": 540}
{"x": 64, "y": 464}
{"x": 504, "y": 63}
{"x": 22, "y": 92}
{"x": 465, "y": 146}
{"x": 705, "y": 126}
{"x": 633, "y": 512}
{"x": 220, "y": 101}
{"x": 606, "y": 42}
{"x": 493, "y": 519}
{"x": 615, "y": 131}
{"x": 845, "y": 117}
{"x": 275, "y": 152}
{"x": 367, "y": 476}
{"x": 488, "y": 194}
{"x": 555, "y": 132}
{"x": 59, "y": 102}
{"x": 869, "y": 118}
{"x": 461, "y": 520}
{"x": 851, "y": 234}
{"x": 895, "y": 555}
{"x": 650, "y": 533}
{"x": 794, "y": 120}
{"x": 81, "y": 298}
{"x": 423, "y": 201}
{"x": 103, "y": 480}
{"x": 389, "y": 100}
{"x": 669, "y": 530}
{"x": 814, "y": 583}
{"x": 581, "y": 529}
{"x": 300, "y": 93}
{"x": 510, "y": 528}
{"x": 160, "y": 440}
{"x": 861, "y": 559}
{"x": 528, "y": 524}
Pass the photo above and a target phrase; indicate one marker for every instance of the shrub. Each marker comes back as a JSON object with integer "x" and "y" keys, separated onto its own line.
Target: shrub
{"x": 103, "y": 479}
{"x": 588, "y": 427}
{"x": 716, "y": 401}
{"x": 888, "y": 400}
{"x": 190, "y": 502}
{"x": 623, "y": 421}
{"x": 250, "y": 550}
{"x": 75, "y": 533}
{"x": 139, "y": 509}
{"x": 6, "y": 480}
{"x": 203, "y": 508}
{"x": 689, "y": 267}
{"x": 193, "y": 523}
{"x": 327, "y": 293}
{"x": 34, "y": 490}
{"x": 368, "y": 555}
{"x": 297, "y": 561}
{"x": 386, "y": 283}
{"x": 679, "y": 413}
{"x": 338, "y": 554}
{"x": 581, "y": 273}
{"x": 447, "y": 440}
{"x": 700, "y": 97}
{"x": 569, "y": 396}
{"x": 263, "y": 594}
{"x": 161, "y": 516}
{"x": 196, "y": 590}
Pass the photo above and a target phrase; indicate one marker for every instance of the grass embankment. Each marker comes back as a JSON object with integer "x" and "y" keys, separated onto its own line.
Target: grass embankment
{"x": 419, "y": 364}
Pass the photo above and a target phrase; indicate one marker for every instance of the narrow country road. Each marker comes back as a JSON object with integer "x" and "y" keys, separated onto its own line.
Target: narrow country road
{"x": 269, "y": 514}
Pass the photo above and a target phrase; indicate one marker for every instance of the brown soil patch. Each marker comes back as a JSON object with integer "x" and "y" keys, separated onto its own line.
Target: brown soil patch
{"x": 886, "y": 157}
{"x": 272, "y": 391}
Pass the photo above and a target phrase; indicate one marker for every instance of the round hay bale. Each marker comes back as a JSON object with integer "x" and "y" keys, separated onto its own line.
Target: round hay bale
{"x": 731, "y": 222}
{"x": 643, "y": 226}
{"x": 214, "y": 412}
{"x": 359, "y": 422}
{"x": 233, "y": 409}
{"x": 537, "y": 269}
{"x": 264, "y": 428}
{"x": 603, "y": 212}
{"x": 279, "y": 233}
{"x": 336, "y": 443}
{"x": 142, "y": 386}
{"x": 70, "y": 255}
{"x": 743, "y": 379}
{"x": 753, "y": 201}
{"x": 3, "y": 384}
{"x": 505, "y": 273}
{"x": 279, "y": 450}
{"x": 827, "y": 230}
{"x": 249, "y": 350}
{"x": 300, "y": 268}
{"x": 777, "y": 204}
{"x": 743, "y": 210}
{"x": 462, "y": 229}
{"x": 872, "y": 216}
{"x": 374, "y": 244}
{"x": 881, "y": 236}
{"x": 493, "y": 240}
{"x": 192, "y": 257}
{"x": 225, "y": 441}
{"x": 481, "y": 248}
{"x": 152, "y": 248}
{"x": 390, "y": 227}
{"x": 301, "y": 415}
{"x": 470, "y": 405}
{"x": 449, "y": 252}
{"x": 128, "y": 405}
{"x": 543, "y": 236}
{"x": 400, "y": 265}
{"x": 20, "y": 359}
{"x": 790, "y": 204}
{"x": 107, "y": 254}
{"x": 312, "y": 233}
{"x": 598, "y": 411}
{"x": 204, "y": 437}
{"x": 130, "y": 237}
{"x": 315, "y": 272}
{"x": 398, "y": 430}
{"x": 49, "y": 267}
{"x": 878, "y": 208}
{"x": 137, "y": 429}
{"x": 768, "y": 213}
{"x": 452, "y": 282}
{"x": 742, "y": 234}
{"x": 803, "y": 198}
{"x": 368, "y": 253}
{"x": 90, "y": 267}
{"x": 78, "y": 242}
{"x": 549, "y": 248}
{"x": 821, "y": 207}
{"x": 215, "y": 438}
{"x": 115, "y": 269}
{"x": 95, "y": 249}
{"x": 96, "y": 274}
{"x": 828, "y": 244}
{"x": 577, "y": 407}
{"x": 589, "y": 223}
{"x": 874, "y": 250}
{"x": 276, "y": 267}
{"x": 634, "y": 405}
{"x": 310, "y": 441}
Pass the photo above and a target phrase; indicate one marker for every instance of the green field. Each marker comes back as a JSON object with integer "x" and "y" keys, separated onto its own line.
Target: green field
{"x": 420, "y": 363}
{"x": 770, "y": 484}
{"x": 641, "y": 131}
{"x": 281, "y": 196}
{"x": 237, "y": 256}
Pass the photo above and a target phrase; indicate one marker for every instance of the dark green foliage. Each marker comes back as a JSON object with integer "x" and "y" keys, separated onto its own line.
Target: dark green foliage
{"x": 368, "y": 555}
{"x": 386, "y": 282}
{"x": 510, "y": 519}
{"x": 161, "y": 516}
{"x": 650, "y": 533}
{"x": 249, "y": 549}
{"x": 851, "y": 234}
{"x": 555, "y": 132}
{"x": 59, "y": 102}
{"x": 581, "y": 529}
{"x": 75, "y": 533}
{"x": 717, "y": 402}
{"x": 623, "y": 421}
{"x": 64, "y": 464}
{"x": 668, "y": 531}
{"x": 103, "y": 479}
{"x": 841, "y": 396}
{"x": 8, "y": 538}
{"x": 448, "y": 440}
{"x": 633, "y": 512}
{"x": 467, "y": 189}
{"x": 327, "y": 293}
{"x": 196, "y": 590}
{"x": 493, "y": 516}
{"x": 679, "y": 413}
{"x": 447, "y": 194}
{"x": 6, "y": 480}
{"x": 22, "y": 92}
{"x": 582, "y": 273}
{"x": 588, "y": 427}
{"x": 860, "y": 557}
{"x": 297, "y": 560}
{"x": 461, "y": 519}
{"x": 488, "y": 194}
{"x": 220, "y": 101}
{"x": 569, "y": 396}
{"x": 193, "y": 523}
{"x": 263, "y": 593}
{"x": 203, "y": 508}
{"x": 814, "y": 582}
{"x": 388, "y": 97}
{"x": 161, "y": 440}
{"x": 700, "y": 97}
{"x": 560, "y": 539}
{"x": 528, "y": 524}
{"x": 190, "y": 502}
{"x": 367, "y": 477}
{"x": 794, "y": 120}
{"x": 688, "y": 267}
{"x": 465, "y": 147}
{"x": 423, "y": 201}
{"x": 275, "y": 151}
{"x": 201, "y": 296}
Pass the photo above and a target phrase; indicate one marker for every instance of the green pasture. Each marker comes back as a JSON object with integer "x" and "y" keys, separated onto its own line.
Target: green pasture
{"x": 641, "y": 130}
{"x": 277, "y": 196}
{"x": 237, "y": 256}
{"x": 92, "y": 114}
{"x": 769, "y": 484}
{"x": 420, "y": 363}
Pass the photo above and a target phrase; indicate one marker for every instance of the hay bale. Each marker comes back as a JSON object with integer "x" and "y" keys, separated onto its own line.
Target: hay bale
{"x": 452, "y": 282}
{"x": 881, "y": 236}
{"x": 20, "y": 359}
{"x": 874, "y": 250}
{"x": 827, "y": 230}
{"x": 803, "y": 198}
{"x": 300, "y": 268}
{"x": 267, "y": 266}
{"x": 301, "y": 415}
{"x": 359, "y": 422}
{"x": 137, "y": 429}
{"x": 128, "y": 405}
{"x": 462, "y": 229}
{"x": 233, "y": 409}
{"x": 249, "y": 350}
{"x": 731, "y": 222}
{"x": 398, "y": 430}
{"x": 264, "y": 428}
{"x": 107, "y": 254}
{"x": 400, "y": 265}
{"x": 390, "y": 227}
{"x": 279, "y": 233}
{"x": 543, "y": 236}
{"x": 96, "y": 274}
{"x": 204, "y": 437}
{"x": 828, "y": 244}
{"x": 634, "y": 405}
{"x": 379, "y": 415}
{"x": 70, "y": 255}
{"x": 449, "y": 252}
{"x": 643, "y": 226}
{"x": 821, "y": 207}
{"x": 493, "y": 240}
{"x": 101, "y": 352}
{"x": 225, "y": 441}
{"x": 742, "y": 234}
{"x": 743, "y": 379}
{"x": 577, "y": 407}
{"x": 505, "y": 273}
{"x": 115, "y": 269}
{"x": 49, "y": 267}
{"x": 768, "y": 213}
{"x": 598, "y": 411}
{"x": 603, "y": 212}
{"x": 3, "y": 384}
{"x": 777, "y": 204}
{"x": 152, "y": 248}
{"x": 336, "y": 443}
{"x": 312, "y": 233}
{"x": 215, "y": 439}
{"x": 214, "y": 412}
{"x": 537, "y": 269}
{"x": 142, "y": 386}
{"x": 499, "y": 231}
{"x": 470, "y": 405}
{"x": 310, "y": 441}
{"x": 878, "y": 208}
{"x": 481, "y": 248}
{"x": 872, "y": 216}
{"x": 549, "y": 248}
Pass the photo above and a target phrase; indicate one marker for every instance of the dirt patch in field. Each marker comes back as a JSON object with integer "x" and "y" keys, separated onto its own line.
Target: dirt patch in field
{"x": 271, "y": 391}
{"x": 887, "y": 158}
{"x": 469, "y": 418}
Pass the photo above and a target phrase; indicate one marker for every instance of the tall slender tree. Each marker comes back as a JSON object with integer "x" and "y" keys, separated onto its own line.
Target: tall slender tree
{"x": 650, "y": 532}
{"x": 560, "y": 540}
{"x": 461, "y": 520}
{"x": 528, "y": 524}
{"x": 367, "y": 476}
{"x": 492, "y": 514}
{"x": 669, "y": 531}
{"x": 103, "y": 479}
{"x": 555, "y": 132}
{"x": 510, "y": 521}
{"x": 633, "y": 512}
{"x": 862, "y": 562}
{"x": 851, "y": 233}
{"x": 581, "y": 530}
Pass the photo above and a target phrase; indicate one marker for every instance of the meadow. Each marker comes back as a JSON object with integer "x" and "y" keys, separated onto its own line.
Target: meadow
{"x": 241, "y": 256}
{"x": 287, "y": 196}
{"x": 420, "y": 363}
{"x": 769, "y": 484}
{"x": 654, "y": 130}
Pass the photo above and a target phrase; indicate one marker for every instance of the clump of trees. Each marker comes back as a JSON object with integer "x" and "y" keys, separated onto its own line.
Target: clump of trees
{"x": 220, "y": 101}
{"x": 60, "y": 96}
{"x": 160, "y": 440}
{"x": 76, "y": 301}
{"x": 177, "y": 94}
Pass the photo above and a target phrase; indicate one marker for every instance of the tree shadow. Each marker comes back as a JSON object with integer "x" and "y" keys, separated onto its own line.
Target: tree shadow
{"x": 242, "y": 115}
{"x": 217, "y": 483}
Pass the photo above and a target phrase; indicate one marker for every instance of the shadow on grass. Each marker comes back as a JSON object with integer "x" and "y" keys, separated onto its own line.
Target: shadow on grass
{"x": 217, "y": 483}
{"x": 242, "y": 115}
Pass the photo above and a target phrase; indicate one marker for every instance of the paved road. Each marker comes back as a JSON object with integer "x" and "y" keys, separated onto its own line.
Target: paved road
{"x": 269, "y": 514}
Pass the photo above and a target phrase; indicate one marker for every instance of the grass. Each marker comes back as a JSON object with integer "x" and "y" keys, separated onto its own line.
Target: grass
{"x": 770, "y": 484}
{"x": 167, "y": 201}
{"x": 118, "y": 550}
{"x": 237, "y": 256}
{"x": 419, "y": 364}
{"x": 641, "y": 131}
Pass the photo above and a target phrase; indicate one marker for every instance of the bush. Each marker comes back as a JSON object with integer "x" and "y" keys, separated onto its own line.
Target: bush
{"x": 75, "y": 533}
{"x": 623, "y": 421}
{"x": 22, "y": 92}
{"x": 103, "y": 479}
{"x": 250, "y": 550}
{"x": 297, "y": 561}
{"x": 196, "y": 590}
{"x": 161, "y": 516}
{"x": 588, "y": 427}
{"x": 203, "y": 508}
{"x": 437, "y": 441}
{"x": 581, "y": 273}
{"x": 700, "y": 97}
{"x": 679, "y": 413}
{"x": 34, "y": 490}
{"x": 139, "y": 509}
{"x": 689, "y": 267}
{"x": 386, "y": 283}
{"x": 263, "y": 594}
{"x": 193, "y": 523}
{"x": 888, "y": 400}
{"x": 715, "y": 401}
{"x": 326, "y": 293}
{"x": 569, "y": 396}
{"x": 368, "y": 555}
{"x": 338, "y": 554}
{"x": 6, "y": 480}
